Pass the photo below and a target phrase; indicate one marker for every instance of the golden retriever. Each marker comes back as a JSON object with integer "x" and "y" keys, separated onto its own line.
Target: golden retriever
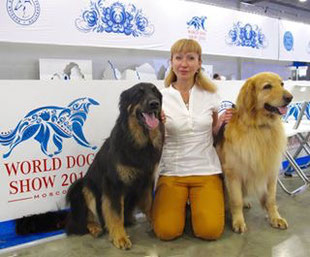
{"x": 252, "y": 146}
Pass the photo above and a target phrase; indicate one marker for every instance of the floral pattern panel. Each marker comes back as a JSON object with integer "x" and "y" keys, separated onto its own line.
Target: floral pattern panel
{"x": 116, "y": 17}
{"x": 247, "y": 35}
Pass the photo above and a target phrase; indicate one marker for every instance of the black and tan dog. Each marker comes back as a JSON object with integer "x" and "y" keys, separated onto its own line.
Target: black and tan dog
{"x": 121, "y": 176}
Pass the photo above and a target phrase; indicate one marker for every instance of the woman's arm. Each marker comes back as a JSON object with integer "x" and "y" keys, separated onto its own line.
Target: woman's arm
{"x": 215, "y": 124}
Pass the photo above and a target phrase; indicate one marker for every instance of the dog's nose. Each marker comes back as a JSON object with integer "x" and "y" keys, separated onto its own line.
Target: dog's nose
{"x": 287, "y": 98}
{"x": 154, "y": 104}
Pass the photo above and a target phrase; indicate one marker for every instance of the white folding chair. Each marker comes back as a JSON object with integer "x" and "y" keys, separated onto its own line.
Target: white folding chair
{"x": 304, "y": 137}
{"x": 297, "y": 128}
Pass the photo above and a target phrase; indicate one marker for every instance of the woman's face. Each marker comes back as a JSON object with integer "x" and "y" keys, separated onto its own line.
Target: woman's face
{"x": 185, "y": 65}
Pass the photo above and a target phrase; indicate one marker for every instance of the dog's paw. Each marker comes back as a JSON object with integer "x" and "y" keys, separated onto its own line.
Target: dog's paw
{"x": 94, "y": 229}
{"x": 123, "y": 242}
{"x": 239, "y": 226}
{"x": 279, "y": 223}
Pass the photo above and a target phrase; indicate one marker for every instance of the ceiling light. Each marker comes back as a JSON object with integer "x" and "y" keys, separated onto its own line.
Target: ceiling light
{"x": 302, "y": 1}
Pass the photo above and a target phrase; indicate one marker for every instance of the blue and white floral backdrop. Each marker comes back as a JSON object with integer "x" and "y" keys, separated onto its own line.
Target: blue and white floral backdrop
{"x": 138, "y": 24}
{"x": 109, "y": 23}
{"x": 235, "y": 33}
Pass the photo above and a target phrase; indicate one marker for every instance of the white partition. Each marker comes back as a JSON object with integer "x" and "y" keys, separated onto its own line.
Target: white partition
{"x": 229, "y": 89}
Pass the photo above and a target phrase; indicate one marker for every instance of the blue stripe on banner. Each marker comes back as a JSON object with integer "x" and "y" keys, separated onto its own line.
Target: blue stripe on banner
{"x": 8, "y": 237}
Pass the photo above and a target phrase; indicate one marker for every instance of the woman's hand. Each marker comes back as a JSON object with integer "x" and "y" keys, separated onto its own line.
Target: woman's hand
{"x": 163, "y": 116}
{"x": 218, "y": 121}
{"x": 226, "y": 116}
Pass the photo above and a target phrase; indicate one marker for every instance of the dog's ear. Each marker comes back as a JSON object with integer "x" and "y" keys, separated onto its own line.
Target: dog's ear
{"x": 124, "y": 100}
{"x": 247, "y": 99}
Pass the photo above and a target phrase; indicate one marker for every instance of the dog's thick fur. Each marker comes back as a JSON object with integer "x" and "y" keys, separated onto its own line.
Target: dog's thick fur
{"x": 121, "y": 176}
{"x": 252, "y": 147}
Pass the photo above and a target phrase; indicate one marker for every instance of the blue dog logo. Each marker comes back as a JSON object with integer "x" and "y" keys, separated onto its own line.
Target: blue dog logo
{"x": 23, "y": 12}
{"x": 48, "y": 122}
{"x": 198, "y": 23}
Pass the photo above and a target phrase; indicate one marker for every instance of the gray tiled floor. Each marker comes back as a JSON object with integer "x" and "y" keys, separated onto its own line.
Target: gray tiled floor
{"x": 260, "y": 239}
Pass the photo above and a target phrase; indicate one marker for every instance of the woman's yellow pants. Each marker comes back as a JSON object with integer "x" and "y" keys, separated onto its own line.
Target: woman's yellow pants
{"x": 206, "y": 197}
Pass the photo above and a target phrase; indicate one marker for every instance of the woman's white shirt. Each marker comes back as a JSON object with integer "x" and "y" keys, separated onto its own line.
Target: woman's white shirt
{"x": 188, "y": 148}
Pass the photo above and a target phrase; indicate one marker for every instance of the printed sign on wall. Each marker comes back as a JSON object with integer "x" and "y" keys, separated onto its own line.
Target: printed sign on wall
{"x": 294, "y": 41}
{"x": 146, "y": 24}
{"x": 50, "y": 132}
{"x": 23, "y": 12}
{"x": 140, "y": 25}
{"x": 108, "y": 23}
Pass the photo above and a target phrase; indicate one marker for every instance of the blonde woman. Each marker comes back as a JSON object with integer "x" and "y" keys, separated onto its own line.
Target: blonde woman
{"x": 190, "y": 168}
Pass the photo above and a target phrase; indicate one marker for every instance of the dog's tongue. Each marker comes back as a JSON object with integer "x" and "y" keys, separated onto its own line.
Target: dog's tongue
{"x": 150, "y": 120}
{"x": 282, "y": 110}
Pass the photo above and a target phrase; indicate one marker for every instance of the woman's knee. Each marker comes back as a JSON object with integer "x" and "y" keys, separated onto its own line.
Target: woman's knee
{"x": 209, "y": 230}
{"x": 167, "y": 232}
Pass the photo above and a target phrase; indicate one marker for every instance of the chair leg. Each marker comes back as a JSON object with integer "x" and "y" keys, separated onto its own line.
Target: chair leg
{"x": 303, "y": 145}
{"x": 304, "y": 142}
{"x": 294, "y": 192}
{"x": 299, "y": 172}
{"x": 295, "y": 166}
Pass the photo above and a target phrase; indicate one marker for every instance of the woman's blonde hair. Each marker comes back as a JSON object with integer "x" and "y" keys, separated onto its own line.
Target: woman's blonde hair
{"x": 189, "y": 45}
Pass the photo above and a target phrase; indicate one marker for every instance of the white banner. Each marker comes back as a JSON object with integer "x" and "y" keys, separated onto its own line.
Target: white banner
{"x": 137, "y": 24}
{"x": 294, "y": 41}
{"x": 49, "y": 134}
{"x": 247, "y": 35}
{"x": 232, "y": 33}
{"x": 108, "y": 23}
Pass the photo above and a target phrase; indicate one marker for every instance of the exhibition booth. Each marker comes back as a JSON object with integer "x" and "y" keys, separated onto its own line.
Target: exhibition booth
{"x": 50, "y": 129}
